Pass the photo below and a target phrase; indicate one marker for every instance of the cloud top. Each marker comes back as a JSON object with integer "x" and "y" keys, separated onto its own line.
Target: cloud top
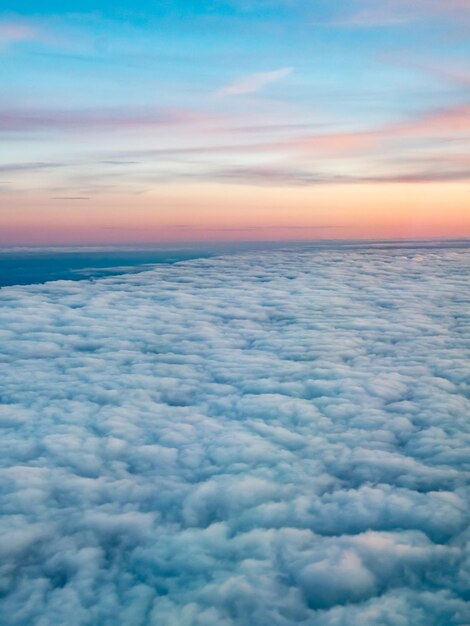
{"x": 273, "y": 437}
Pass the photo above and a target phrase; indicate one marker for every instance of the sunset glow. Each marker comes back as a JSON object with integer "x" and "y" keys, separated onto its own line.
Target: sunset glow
{"x": 264, "y": 120}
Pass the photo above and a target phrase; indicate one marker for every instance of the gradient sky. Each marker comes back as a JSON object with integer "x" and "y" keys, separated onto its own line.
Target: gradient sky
{"x": 126, "y": 122}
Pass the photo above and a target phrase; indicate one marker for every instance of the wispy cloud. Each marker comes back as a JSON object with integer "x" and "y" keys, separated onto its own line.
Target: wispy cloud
{"x": 264, "y": 176}
{"x": 455, "y": 74}
{"x": 254, "y": 82}
{"x": 12, "y": 32}
{"x": 295, "y": 160}
{"x": 398, "y": 12}
{"x": 367, "y": 19}
{"x": 447, "y": 121}
{"x": 95, "y": 119}
{"x": 247, "y": 229}
{"x": 450, "y": 122}
{"x": 28, "y": 167}
{"x": 70, "y": 198}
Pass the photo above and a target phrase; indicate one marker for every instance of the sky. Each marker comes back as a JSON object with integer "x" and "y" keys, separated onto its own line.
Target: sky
{"x": 177, "y": 121}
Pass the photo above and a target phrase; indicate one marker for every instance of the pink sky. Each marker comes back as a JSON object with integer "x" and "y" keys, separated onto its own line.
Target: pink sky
{"x": 219, "y": 212}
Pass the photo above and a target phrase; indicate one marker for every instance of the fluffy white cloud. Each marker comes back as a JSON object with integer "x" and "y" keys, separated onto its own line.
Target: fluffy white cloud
{"x": 277, "y": 437}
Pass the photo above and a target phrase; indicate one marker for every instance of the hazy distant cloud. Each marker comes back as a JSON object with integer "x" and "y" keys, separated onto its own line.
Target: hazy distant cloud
{"x": 274, "y": 437}
{"x": 254, "y": 82}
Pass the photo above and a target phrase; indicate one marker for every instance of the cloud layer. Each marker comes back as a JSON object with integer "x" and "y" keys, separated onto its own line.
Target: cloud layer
{"x": 277, "y": 437}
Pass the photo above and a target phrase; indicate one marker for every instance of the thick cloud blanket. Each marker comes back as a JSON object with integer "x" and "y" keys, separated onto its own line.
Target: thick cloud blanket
{"x": 262, "y": 439}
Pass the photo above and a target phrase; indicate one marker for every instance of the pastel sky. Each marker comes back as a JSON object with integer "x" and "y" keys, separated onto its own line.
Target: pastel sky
{"x": 161, "y": 121}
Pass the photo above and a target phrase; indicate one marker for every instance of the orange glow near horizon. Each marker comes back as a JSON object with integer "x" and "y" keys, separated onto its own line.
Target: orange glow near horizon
{"x": 223, "y": 212}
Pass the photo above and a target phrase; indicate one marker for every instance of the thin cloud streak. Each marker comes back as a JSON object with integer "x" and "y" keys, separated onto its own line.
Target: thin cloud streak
{"x": 393, "y": 13}
{"x": 367, "y": 19}
{"x": 70, "y": 198}
{"x": 14, "y": 32}
{"x": 243, "y": 229}
{"x": 12, "y": 120}
{"x": 455, "y": 75}
{"x": 254, "y": 82}
{"x": 28, "y": 167}
{"x": 291, "y": 177}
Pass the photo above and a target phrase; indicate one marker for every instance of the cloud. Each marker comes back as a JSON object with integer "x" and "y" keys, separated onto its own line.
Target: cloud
{"x": 28, "y": 167}
{"x": 420, "y": 176}
{"x": 24, "y": 119}
{"x": 366, "y": 14}
{"x": 372, "y": 18}
{"x": 455, "y": 74}
{"x": 444, "y": 122}
{"x": 272, "y": 437}
{"x": 254, "y": 82}
{"x": 248, "y": 229}
{"x": 14, "y": 32}
{"x": 70, "y": 198}
{"x": 445, "y": 171}
{"x": 393, "y": 145}
{"x": 447, "y": 122}
{"x": 403, "y": 151}
{"x": 267, "y": 176}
